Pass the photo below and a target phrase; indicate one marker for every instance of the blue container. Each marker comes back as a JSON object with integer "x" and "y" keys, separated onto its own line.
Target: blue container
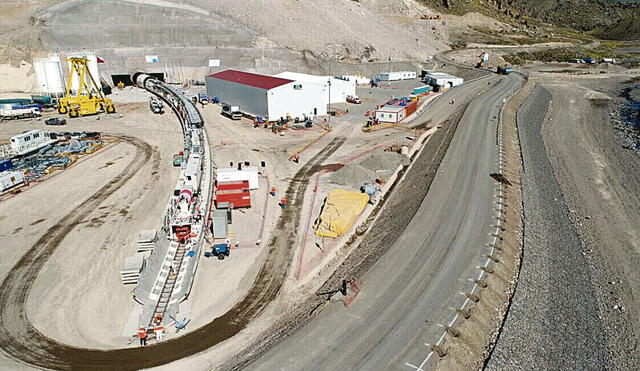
{"x": 5, "y": 164}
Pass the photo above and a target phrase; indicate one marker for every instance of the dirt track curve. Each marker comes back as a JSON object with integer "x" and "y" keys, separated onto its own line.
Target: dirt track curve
{"x": 23, "y": 342}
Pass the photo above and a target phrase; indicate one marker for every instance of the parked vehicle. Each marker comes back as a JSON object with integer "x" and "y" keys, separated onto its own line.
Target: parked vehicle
{"x": 233, "y": 112}
{"x": 91, "y": 135}
{"x": 353, "y": 99}
{"x": 55, "y": 121}
{"x": 177, "y": 159}
{"x": 221, "y": 250}
{"x": 21, "y": 112}
{"x": 203, "y": 97}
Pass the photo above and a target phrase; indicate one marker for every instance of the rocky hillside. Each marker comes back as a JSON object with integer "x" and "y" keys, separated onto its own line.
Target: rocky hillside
{"x": 605, "y": 19}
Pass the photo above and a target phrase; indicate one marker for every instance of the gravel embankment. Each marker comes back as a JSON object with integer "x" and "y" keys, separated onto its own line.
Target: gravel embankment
{"x": 553, "y": 321}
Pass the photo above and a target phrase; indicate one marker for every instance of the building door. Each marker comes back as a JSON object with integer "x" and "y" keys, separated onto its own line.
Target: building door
{"x": 315, "y": 111}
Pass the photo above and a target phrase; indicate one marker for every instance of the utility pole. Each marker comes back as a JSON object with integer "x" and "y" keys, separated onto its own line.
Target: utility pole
{"x": 389, "y": 76}
{"x": 329, "y": 87}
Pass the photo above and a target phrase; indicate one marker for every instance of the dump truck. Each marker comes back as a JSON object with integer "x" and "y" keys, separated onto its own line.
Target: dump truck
{"x": 233, "y": 112}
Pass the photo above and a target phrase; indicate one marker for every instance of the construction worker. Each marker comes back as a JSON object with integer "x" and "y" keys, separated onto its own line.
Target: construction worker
{"x": 283, "y": 203}
{"x": 273, "y": 191}
{"x": 158, "y": 330}
{"x": 142, "y": 335}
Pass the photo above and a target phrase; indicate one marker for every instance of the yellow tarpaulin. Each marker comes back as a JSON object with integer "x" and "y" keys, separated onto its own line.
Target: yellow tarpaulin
{"x": 340, "y": 211}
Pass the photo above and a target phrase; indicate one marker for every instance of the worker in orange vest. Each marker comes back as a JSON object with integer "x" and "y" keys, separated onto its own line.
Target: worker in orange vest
{"x": 283, "y": 203}
{"x": 158, "y": 330}
{"x": 142, "y": 335}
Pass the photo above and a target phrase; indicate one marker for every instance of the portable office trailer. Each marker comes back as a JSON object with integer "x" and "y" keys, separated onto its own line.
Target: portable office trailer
{"x": 9, "y": 179}
{"x": 30, "y": 139}
{"x": 398, "y": 75}
{"x": 393, "y": 114}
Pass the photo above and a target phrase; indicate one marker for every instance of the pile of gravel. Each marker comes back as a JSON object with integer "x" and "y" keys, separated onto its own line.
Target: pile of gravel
{"x": 353, "y": 175}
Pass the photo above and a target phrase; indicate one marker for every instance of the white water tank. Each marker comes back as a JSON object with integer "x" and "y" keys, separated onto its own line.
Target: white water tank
{"x": 49, "y": 75}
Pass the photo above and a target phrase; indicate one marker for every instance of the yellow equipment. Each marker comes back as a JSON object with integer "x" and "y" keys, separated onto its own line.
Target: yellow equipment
{"x": 88, "y": 99}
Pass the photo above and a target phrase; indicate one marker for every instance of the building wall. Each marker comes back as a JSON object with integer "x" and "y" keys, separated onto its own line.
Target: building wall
{"x": 340, "y": 89}
{"x": 285, "y": 100}
{"x": 251, "y": 100}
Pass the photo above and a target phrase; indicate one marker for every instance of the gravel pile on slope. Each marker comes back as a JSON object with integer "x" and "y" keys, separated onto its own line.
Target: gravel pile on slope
{"x": 381, "y": 160}
{"x": 353, "y": 175}
{"x": 553, "y": 322}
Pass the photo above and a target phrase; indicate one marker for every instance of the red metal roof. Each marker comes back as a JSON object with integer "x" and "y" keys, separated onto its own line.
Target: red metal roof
{"x": 251, "y": 79}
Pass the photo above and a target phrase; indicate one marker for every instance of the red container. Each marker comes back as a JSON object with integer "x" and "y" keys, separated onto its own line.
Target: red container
{"x": 238, "y": 184}
{"x": 411, "y": 108}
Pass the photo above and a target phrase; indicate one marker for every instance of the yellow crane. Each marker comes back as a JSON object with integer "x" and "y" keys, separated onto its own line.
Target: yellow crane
{"x": 89, "y": 99}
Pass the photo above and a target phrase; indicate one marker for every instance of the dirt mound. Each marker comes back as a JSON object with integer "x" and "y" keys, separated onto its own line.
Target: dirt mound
{"x": 353, "y": 175}
{"x": 384, "y": 161}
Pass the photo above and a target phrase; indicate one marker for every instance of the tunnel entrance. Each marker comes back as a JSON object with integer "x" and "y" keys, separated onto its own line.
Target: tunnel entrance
{"x": 125, "y": 79}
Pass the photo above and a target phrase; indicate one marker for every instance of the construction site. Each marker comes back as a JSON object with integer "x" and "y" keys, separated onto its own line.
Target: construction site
{"x": 191, "y": 187}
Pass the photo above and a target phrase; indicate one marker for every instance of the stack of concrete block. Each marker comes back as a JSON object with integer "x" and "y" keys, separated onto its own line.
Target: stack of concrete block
{"x": 147, "y": 240}
{"x": 133, "y": 265}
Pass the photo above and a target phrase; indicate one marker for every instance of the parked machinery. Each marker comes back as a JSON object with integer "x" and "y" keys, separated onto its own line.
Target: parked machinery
{"x": 88, "y": 100}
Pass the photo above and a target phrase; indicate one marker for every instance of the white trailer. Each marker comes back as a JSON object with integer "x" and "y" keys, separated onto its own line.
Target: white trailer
{"x": 249, "y": 174}
{"x": 398, "y": 75}
{"x": 393, "y": 114}
{"x": 9, "y": 179}
{"x": 30, "y": 141}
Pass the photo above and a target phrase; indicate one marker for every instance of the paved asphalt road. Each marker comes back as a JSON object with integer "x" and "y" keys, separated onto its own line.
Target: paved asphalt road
{"x": 413, "y": 286}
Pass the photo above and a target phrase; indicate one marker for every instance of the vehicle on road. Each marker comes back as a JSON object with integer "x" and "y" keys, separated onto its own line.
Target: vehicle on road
{"x": 232, "y": 112}
{"x": 55, "y": 121}
{"x": 353, "y": 99}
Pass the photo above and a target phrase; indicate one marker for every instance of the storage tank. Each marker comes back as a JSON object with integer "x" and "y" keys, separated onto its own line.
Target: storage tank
{"x": 49, "y": 76}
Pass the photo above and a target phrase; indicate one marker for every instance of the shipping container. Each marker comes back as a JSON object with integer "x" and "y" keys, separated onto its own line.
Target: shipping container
{"x": 421, "y": 89}
{"x": 5, "y": 164}
{"x": 235, "y": 198}
{"x": 410, "y": 108}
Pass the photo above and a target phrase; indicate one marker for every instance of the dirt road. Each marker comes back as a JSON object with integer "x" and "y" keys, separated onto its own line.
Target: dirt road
{"x": 22, "y": 341}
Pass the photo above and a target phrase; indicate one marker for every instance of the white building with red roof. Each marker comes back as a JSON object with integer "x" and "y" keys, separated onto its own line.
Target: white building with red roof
{"x": 267, "y": 96}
